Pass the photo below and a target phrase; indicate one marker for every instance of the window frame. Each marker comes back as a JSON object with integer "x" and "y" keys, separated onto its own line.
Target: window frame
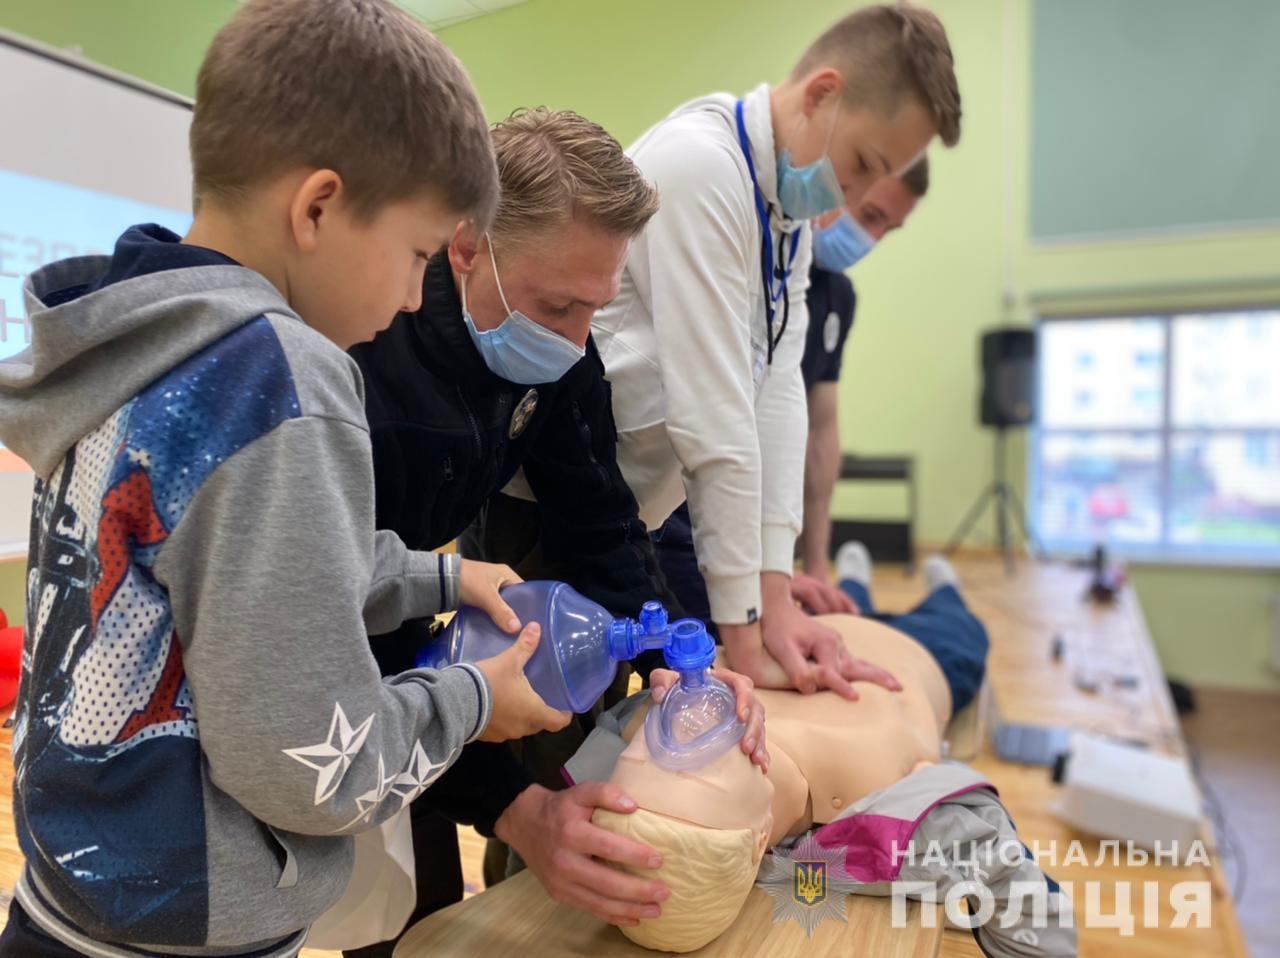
{"x": 1165, "y": 551}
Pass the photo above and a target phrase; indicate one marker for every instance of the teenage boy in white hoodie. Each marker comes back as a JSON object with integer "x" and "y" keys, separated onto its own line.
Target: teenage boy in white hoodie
{"x": 703, "y": 343}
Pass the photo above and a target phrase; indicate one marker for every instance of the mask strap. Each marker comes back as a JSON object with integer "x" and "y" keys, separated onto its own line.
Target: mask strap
{"x": 831, "y": 131}
{"x": 496, "y": 281}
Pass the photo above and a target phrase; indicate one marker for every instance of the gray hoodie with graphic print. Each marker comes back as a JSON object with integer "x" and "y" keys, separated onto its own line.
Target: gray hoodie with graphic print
{"x": 201, "y": 725}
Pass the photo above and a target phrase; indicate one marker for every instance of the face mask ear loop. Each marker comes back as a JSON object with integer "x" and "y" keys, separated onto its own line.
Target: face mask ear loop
{"x": 831, "y": 130}
{"x": 496, "y": 281}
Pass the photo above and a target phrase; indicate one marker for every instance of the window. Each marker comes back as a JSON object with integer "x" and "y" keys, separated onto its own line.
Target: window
{"x": 1159, "y": 436}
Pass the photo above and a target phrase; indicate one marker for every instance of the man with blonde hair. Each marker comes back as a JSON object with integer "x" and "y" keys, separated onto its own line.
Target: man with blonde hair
{"x": 495, "y": 372}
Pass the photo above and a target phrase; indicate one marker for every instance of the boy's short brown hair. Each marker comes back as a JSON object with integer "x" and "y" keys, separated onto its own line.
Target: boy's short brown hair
{"x": 916, "y": 178}
{"x": 886, "y": 53}
{"x": 554, "y": 165}
{"x": 355, "y": 86}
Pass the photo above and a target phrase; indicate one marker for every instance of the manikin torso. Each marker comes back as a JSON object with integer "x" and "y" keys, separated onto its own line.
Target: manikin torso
{"x": 827, "y": 751}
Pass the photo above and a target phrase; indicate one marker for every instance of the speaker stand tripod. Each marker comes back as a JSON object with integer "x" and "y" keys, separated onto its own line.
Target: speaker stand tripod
{"x": 1008, "y": 507}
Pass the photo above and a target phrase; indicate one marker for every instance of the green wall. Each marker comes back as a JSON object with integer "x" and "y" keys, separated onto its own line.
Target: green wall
{"x": 161, "y": 41}
{"x": 1212, "y": 626}
{"x": 964, "y": 264}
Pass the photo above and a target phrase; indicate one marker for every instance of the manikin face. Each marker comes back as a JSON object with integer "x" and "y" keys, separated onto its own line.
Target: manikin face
{"x": 711, "y": 825}
{"x": 728, "y": 793}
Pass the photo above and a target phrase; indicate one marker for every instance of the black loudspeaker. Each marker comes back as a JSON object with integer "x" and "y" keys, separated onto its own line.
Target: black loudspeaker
{"x": 1008, "y": 377}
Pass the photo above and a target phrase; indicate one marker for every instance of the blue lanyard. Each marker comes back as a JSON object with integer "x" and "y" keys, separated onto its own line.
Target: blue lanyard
{"x": 769, "y": 271}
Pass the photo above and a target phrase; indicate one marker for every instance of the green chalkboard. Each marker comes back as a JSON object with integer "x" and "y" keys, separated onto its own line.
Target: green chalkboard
{"x": 1153, "y": 115}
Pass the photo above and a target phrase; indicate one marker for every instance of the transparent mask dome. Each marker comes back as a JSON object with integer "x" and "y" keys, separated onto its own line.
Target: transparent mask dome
{"x": 697, "y": 722}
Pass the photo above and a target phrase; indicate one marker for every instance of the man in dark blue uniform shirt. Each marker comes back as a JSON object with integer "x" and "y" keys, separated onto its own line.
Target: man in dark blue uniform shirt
{"x": 839, "y": 241}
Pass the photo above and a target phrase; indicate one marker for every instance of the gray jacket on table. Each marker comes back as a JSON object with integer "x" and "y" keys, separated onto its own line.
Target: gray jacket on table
{"x": 942, "y": 831}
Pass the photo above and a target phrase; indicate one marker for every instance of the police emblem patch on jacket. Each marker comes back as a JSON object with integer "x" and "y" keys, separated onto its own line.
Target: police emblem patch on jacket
{"x": 523, "y": 413}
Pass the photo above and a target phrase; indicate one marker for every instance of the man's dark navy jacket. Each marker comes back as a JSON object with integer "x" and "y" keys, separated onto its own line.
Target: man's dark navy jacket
{"x": 447, "y": 434}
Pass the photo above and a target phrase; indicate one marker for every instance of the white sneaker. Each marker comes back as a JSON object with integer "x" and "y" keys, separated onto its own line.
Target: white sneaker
{"x": 939, "y": 572}
{"x": 853, "y": 561}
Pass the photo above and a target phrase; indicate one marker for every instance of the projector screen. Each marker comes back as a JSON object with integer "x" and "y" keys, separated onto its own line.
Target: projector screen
{"x": 88, "y": 153}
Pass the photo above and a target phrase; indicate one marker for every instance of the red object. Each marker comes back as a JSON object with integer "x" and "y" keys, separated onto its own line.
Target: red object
{"x": 10, "y": 663}
{"x": 1109, "y": 502}
{"x": 4, "y": 620}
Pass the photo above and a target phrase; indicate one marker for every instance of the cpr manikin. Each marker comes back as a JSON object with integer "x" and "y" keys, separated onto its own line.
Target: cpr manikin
{"x": 826, "y": 753}
{"x": 713, "y": 823}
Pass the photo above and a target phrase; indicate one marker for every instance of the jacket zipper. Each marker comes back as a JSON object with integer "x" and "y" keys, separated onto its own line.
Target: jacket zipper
{"x": 475, "y": 426}
{"x": 585, "y": 431}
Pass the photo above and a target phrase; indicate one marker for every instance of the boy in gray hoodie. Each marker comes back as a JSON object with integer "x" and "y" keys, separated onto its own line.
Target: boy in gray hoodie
{"x": 201, "y": 725}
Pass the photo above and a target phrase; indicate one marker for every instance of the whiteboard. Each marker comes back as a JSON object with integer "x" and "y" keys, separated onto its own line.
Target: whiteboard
{"x": 87, "y": 153}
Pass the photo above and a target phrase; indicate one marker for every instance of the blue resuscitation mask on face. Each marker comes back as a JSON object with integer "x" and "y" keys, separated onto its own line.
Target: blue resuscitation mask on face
{"x": 518, "y": 349}
{"x": 840, "y": 244}
{"x": 809, "y": 191}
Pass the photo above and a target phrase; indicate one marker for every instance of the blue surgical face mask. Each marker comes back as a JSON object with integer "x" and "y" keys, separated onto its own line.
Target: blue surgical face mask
{"x": 809, "y": 191}
{"x": 518, "y": 349}
{"x": 841, "y": 244}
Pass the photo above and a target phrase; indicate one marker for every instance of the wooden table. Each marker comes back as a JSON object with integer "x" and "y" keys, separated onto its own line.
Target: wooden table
{"x": 517, "y": 918}
{"x": 1022, "y": 613}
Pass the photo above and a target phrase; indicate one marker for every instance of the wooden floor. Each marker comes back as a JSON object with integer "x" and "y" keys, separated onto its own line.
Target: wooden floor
{"x": 1232, "y": 738}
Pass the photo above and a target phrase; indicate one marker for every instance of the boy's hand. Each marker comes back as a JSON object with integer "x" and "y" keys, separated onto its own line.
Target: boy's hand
{"x": 479, "y": 584}
{"x": 750, "y": 711}
{"x": 517, "y": 709}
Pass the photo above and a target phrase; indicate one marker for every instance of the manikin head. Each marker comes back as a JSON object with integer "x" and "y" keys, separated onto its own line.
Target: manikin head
{"x": 711, "y": 825}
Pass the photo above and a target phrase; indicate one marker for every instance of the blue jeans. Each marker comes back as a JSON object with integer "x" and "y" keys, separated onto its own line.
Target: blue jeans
{"x": 943, "y": 624}
{"x": 23, "y": 938}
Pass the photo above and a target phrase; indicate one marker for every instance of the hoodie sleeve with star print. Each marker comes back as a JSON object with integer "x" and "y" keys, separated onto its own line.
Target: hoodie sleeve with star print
{"x": 201, "y": 724}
